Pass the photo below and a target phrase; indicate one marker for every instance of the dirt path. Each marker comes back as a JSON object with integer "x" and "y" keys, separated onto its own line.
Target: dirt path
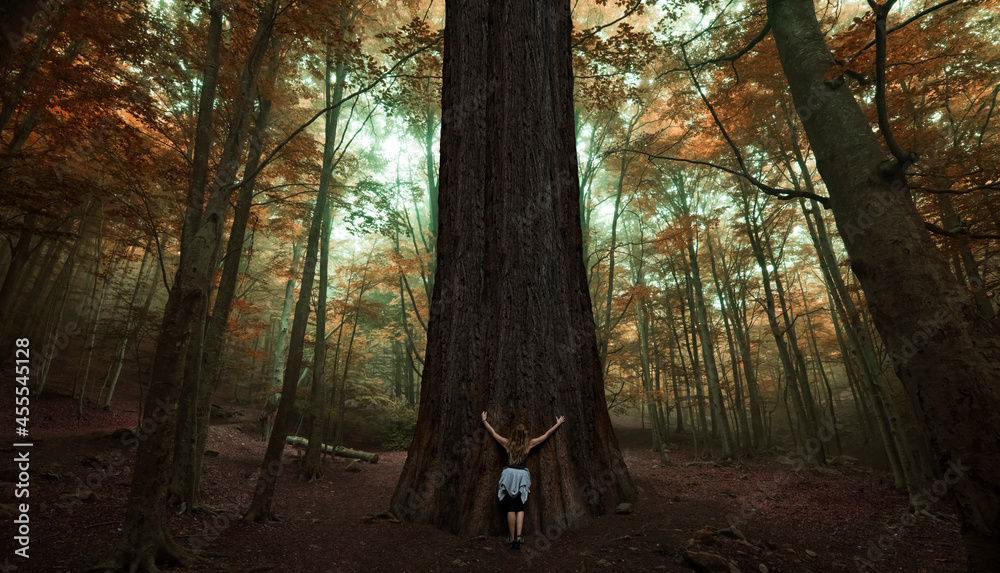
{"x": 793, "y": 522}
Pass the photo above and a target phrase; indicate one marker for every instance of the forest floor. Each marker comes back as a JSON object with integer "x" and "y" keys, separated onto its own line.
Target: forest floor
{"x": 808, "y": 521}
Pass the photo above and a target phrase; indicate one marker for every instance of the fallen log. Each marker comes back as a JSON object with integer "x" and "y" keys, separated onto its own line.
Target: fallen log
{"x": 303, "y": 443}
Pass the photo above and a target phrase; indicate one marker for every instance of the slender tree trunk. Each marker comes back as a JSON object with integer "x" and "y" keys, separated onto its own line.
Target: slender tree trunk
{"x": 55, "y": 301}
{"x": 642, "y": 318}
{"x": 799, "y": 427}
{"x": 872, "y": 381}
{"x": 742, "y": 330}
{"x": 192, "y": 436}
{"x": 311, "y": 468}
{"x": 951, "y": 219}
{"x": 739, "y": 404}
{"x": 281, "y": 337}
{"x": 93, "y": 318}
{"x": 719, "y": 416}
{"x": 642, "y": 322}
{"x": 691, "y": 345}
{"x": 663, "y": 420}
{"x": 819, "y": 366}
{"x": 260, "y": 505}
{"x": 12, "y": 278}
{"x": 801, "y": 379}
{"x": 606, "y": 326}
{"x": 145, "y": 540}
{"x": 677, "y": 395}
{"x": 130, "y": 327}
{"x": 431, "y": 129}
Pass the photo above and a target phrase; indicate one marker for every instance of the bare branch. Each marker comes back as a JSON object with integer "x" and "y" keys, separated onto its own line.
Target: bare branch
{"x": 963, "y": 233}
{"x": 957, "y": 191}
{"x": 783, "y": 194}
{"x": 593, "y": 31}
{"x": 744, "y": 50}
{"x": 744, "y": 172}
{"x": 905, "y": 158}
{"x": 271, "y": 156}
{"x": 906, "y": 22}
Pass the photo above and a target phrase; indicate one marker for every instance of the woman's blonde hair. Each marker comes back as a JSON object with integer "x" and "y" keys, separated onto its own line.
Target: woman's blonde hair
{"x": 517, "y": 446}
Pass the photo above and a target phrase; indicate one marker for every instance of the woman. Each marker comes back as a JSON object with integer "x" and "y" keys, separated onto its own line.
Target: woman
{"x": 515, "y": 481}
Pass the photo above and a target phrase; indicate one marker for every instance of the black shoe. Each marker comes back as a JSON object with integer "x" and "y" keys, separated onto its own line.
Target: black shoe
{"x": 518, "y": 542}
{"x": 511, "y": 544}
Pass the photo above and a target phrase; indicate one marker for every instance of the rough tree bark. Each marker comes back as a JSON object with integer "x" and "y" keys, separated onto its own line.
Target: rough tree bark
{"x": 208, "y": 332}
{"x": 145, "y": 539}
{"x": 511, "y": 328}
{"x": 944, "y": 351}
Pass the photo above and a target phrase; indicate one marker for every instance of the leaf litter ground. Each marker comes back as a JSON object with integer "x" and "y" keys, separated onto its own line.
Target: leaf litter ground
{"x": 789, "y": 522}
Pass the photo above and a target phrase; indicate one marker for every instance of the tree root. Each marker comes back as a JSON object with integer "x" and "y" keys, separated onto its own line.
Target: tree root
{"x": 310, "y": 473}
{"x": 943, "y": 518}
{"x": 258, "y": 515}
{"x": 144, "y": 559}
{"x": 202, "y": 507}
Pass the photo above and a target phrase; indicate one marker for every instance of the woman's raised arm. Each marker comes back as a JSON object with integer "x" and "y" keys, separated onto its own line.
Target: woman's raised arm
{"x": 496, "y": 436}
{"x": 535, "y": 441}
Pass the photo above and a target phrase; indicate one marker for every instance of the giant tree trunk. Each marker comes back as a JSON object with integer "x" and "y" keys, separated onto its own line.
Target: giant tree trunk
{"x": 511, "y": 328}
{"x": 944, "y": 351}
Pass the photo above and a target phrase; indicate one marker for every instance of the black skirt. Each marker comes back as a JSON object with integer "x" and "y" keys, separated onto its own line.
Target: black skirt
{"x": 512, "y": 504}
